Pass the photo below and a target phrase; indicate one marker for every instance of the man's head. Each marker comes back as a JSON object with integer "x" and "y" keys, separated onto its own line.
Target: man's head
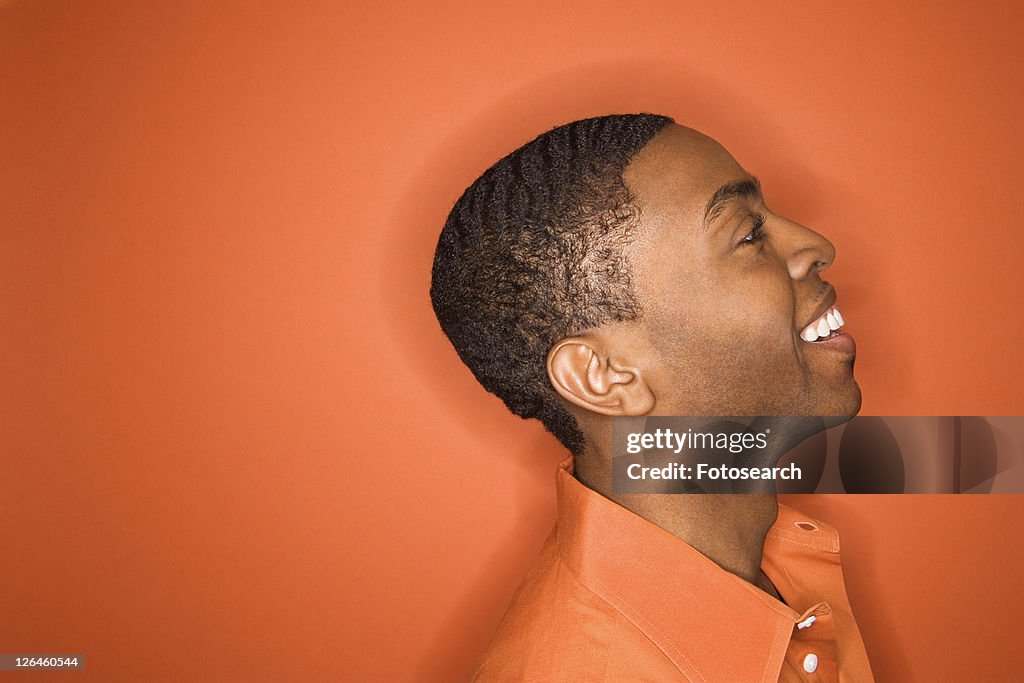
{"x": 625, "y": 265}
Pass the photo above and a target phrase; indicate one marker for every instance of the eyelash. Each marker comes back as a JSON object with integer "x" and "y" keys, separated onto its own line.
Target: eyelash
{"x": 756, "y": 234}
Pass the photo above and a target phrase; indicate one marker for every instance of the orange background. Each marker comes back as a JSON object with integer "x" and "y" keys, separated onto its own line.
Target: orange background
{"x": 235, "y": 444}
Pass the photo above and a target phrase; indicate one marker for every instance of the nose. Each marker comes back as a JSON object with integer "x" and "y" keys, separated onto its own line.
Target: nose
{"x": 806, "y": 251}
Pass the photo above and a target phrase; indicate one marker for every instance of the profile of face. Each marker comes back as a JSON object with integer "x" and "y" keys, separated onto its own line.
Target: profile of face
{"x": 736, "y": 318}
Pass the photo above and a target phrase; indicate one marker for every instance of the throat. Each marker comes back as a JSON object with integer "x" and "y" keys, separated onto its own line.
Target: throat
{"x": 729, "y": 529}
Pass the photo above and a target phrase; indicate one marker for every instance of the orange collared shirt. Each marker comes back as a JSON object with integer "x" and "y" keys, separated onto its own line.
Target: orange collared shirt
{"x": 613, "y": 597}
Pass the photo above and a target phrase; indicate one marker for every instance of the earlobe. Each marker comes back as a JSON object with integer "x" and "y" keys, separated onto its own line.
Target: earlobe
{"x": 580, "y": 374}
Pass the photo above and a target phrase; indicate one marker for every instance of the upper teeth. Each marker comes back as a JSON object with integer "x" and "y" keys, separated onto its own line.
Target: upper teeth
{"x": 823, "y": 326}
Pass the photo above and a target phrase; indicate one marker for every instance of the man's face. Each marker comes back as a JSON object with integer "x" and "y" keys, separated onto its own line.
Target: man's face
{"x": 727, "y": 306}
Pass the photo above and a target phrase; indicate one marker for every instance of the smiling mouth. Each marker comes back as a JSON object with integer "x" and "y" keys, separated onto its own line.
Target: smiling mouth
{"x": 826, "y": 327}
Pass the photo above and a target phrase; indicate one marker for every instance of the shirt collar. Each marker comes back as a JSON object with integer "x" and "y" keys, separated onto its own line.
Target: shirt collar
{"x": 691, "y": 608}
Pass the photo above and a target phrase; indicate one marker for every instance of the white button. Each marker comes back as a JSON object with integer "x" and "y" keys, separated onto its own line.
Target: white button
{"x": 811, "y": 663}
{"x": 807, "y": 622}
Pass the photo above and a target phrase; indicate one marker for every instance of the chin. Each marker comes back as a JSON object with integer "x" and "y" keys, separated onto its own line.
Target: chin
{"x": 843, "y": 406}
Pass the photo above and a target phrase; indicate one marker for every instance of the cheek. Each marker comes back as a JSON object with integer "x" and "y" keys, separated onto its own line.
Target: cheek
{"x": 765, "y": 314}
{"x": 755, "y": 311}
{"x": 721, "y": 317}
{"x": 737, "y": 332}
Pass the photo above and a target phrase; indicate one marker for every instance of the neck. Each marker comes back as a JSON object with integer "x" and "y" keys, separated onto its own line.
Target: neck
{"x": 729, "y": 529}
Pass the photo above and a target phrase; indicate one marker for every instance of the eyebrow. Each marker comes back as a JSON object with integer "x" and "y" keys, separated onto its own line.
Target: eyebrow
{"x": 748, "y": 187}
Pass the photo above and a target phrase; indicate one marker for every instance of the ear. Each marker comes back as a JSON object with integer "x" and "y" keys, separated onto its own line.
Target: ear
{"x": 595, "y": 382}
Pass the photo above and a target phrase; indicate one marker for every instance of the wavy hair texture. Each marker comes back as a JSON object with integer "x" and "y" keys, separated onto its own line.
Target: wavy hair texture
{"x": 532, "y": 252}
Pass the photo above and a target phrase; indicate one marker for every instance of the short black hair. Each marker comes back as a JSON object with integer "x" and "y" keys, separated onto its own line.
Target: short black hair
{"x": 533, "y": 252}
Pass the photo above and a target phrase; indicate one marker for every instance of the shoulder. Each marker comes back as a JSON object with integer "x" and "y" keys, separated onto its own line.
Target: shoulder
{"x": 556, "y": 629}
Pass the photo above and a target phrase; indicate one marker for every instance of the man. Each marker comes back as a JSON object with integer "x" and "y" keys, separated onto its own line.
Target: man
{"x": 628, "y": 266}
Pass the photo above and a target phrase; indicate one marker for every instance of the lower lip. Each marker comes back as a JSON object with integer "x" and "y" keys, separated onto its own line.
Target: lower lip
{"x": 841, "y": 342}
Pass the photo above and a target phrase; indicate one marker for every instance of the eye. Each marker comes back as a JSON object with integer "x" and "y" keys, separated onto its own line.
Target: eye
{"x": 756, "y": 234}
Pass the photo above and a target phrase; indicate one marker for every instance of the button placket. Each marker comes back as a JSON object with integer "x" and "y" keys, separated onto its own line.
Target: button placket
{"x": 813, "y": 647}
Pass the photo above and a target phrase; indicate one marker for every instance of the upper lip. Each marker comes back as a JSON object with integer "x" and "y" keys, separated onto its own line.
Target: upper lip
{"x": 827, "y": 302}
